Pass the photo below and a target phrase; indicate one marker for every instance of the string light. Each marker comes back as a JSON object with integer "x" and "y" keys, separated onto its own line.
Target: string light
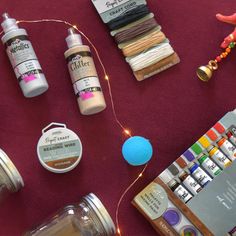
{"x": 106, "y": 77}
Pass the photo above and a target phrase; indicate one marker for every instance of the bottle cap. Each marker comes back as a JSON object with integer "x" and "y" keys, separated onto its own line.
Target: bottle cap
{"x": 73, "y": 39}
{"x": 221, "y": 142}
{"x": 172, "y": 183}
{"x": 182, "y": 173}
{"x": 59, "y": 149}
{"x": 202, "y": 158}
{"x": 193, "y": 166}
{"x": 210, "y": 148}
{"x": 102, "y": 213}
{"x": 213, "y": 151}
{"x": 8, "y": 23}
{"x": 11, "y": 171}
{"x": 229, "y": 134}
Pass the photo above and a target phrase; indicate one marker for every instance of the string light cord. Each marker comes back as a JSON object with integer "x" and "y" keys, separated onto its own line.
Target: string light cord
{"x": 122, "y": 197}
{"x": 106, "y": 77}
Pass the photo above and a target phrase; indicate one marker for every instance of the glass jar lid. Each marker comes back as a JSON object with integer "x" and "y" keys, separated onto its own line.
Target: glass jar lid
{"x": 11, "y": 171}
{"x": 102, "y": 213}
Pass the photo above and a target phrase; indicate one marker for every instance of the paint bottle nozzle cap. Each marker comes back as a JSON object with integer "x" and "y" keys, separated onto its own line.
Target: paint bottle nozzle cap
{"x": 73, "y": 39}
{"x": 8, "y": 23}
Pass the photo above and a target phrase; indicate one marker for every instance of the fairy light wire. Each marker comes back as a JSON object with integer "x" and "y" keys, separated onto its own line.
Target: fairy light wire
{"x": 106, "y": 77}
{"x": 123, "y": 195}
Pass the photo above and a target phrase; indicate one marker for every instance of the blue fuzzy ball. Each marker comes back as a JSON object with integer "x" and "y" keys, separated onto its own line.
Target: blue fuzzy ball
{"x": 137, "y": 151}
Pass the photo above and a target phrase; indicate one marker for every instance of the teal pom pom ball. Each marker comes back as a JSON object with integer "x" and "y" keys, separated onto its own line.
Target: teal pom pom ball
{"x": 137, "y": 151}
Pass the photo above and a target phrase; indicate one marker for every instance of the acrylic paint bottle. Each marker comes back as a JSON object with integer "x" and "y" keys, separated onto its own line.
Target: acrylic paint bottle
{"x": 212, "y": 169}
{"x": 23, "y": 58}
{"x": 199, "y": 174}
{"x": 190, "y": 183}
{"x": 228, "y": 148}
{"x": 84, "y": 75}
{"x": 219, "y": 157}
{"x": 180, "y": 191}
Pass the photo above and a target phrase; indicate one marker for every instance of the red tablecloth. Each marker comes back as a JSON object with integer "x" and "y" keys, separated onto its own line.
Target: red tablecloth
{"x": 172, "y": 109}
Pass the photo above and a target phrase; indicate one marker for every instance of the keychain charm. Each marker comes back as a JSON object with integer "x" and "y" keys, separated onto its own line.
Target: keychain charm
{"x": 204, "y": 73}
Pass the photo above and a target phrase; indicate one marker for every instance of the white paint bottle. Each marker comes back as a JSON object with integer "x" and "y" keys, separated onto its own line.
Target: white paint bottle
{"x": 84, "y": 76}
{"x": 23, "y": 58}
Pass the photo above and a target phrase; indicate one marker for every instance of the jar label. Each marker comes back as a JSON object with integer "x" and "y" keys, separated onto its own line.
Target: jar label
{"x": 152, "y": 200}
{"x": 23, "y": 58}
{"x": 59, "y": 148}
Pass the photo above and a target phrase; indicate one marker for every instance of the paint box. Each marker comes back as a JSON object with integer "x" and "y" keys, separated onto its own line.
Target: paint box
{"x": 210, "y": 212}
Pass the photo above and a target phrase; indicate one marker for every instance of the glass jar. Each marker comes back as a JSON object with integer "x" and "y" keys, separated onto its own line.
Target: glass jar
{"x": 87, "y": 218}
{"x": 10, "y": 179}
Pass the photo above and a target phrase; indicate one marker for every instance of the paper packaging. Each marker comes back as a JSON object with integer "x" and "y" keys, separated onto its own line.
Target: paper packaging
{"x": 211, "y": 212}
{"x": 111, "y": 9}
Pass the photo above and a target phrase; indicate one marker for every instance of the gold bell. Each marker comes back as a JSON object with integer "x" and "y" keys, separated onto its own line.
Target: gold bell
{"x": 204, "y": 73}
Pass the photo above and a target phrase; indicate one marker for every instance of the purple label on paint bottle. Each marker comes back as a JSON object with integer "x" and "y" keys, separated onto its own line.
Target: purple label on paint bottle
{"x": 189, "y": 156}
{"x": 172, "y": 216}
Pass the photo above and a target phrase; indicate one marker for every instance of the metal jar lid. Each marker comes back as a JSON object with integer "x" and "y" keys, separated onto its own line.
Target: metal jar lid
{"x": 102, "y": 213}
{"x": 11, "y": 171}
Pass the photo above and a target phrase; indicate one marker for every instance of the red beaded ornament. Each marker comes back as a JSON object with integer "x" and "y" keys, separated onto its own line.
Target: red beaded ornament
{"x": 204, "y": 73}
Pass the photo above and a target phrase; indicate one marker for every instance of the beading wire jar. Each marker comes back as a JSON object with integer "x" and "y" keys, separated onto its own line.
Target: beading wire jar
{"x": 87, "y": 218}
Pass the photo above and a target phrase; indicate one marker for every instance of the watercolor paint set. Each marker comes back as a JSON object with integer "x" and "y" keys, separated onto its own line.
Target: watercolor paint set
{"x": 138, "y": 35}
{"x": 196, "y": 195}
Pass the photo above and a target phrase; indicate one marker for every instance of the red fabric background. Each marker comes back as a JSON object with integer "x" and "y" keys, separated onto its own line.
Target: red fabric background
{"x": 172, "y": 109}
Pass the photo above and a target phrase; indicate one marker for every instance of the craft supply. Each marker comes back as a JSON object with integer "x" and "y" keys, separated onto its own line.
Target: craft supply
{"x": 199, "y": 174}
{"x": 231, "y": 137}
{"x": 136, "y": 30}
{"x": 89, "y": 217}
{"x": 204, "y": 73}
{"x": 150, "y": 57}
{"x": 137, "y": 151}
{"x": 59, "y": 149}
{"x": 190, "y": 183}
{"x": 228, "y": 148}
{"x": 137, "y": 33}
{"x": 23, "y": 58}
{"x": 142, "y": 43}
{"x": 179, "y": 222}
{"x": 181, "y": 192}
{"x": 157, "y": 67}
{"x": 212, "y": 169}
{"x": 10, "y": 179}
{"x": 219, "y": 157}
{"x": 128, "y": 17}
{"x": 84, "y": 76}
{"x": 213, "y": 210}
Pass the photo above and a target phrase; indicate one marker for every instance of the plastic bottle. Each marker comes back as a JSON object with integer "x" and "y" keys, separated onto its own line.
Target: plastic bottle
{"x": 84, "y": 76}
{"x": 23, "y": 58}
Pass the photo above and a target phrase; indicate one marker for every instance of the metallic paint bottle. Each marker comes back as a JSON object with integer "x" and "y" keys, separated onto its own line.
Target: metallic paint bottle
{"x": 23, "y": 58}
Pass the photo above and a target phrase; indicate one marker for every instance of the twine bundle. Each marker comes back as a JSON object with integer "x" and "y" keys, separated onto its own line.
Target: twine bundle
{"x": 143, "y": 43}
{"x": 128, "y": 17}
{"x": 136, "y": 30}
{"x": 150, "y": 57}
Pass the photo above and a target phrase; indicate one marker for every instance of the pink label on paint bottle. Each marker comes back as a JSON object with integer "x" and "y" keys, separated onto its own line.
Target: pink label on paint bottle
{"x": 86, "y": 95}
{"x": 29, "y": 78}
